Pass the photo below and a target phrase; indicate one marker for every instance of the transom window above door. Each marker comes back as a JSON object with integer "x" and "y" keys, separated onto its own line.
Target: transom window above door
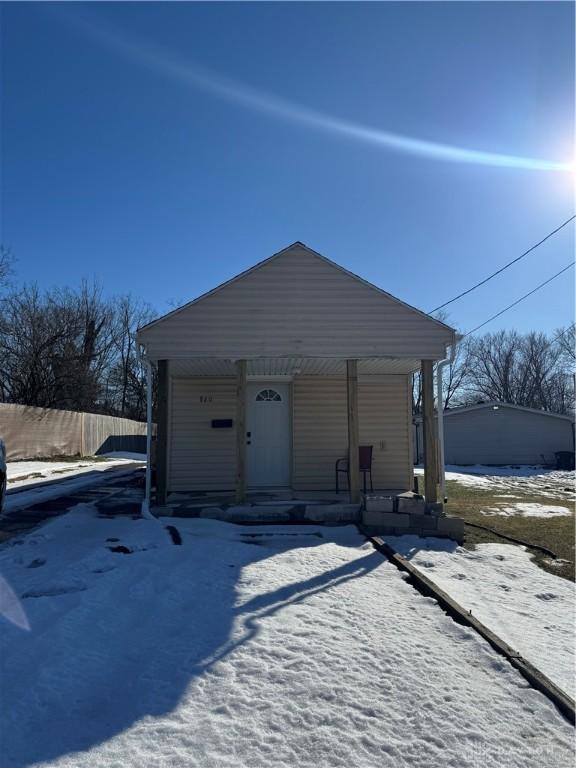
{"x": 268, "y": 395}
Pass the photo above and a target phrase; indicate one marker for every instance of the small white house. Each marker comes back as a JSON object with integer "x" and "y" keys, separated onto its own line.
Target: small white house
{"x": 265, "y": 381}
{"x": 497, "y": 433}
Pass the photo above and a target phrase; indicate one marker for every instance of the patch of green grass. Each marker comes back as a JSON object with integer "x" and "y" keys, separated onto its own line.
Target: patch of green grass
{"x": 555, "y": 532}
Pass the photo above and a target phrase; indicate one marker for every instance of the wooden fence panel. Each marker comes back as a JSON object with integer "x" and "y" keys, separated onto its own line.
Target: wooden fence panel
{"x": 34, "y": 433}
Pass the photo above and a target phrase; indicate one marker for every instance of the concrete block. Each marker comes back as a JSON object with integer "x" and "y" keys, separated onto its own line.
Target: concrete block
{"x": 212, "y": 513}
{"x": 272, "y": 516}
{"x": 189, "y": 504}
{"x": 280, "y": 496}
{"x": 386, "y": 530}
{"x": 451, "y": 526}
{"x": 423, "y": 522}
{"x": 385, "y": 519}
{"x": 277, "y": 508}
{"x": 379, "y": 503}
{"x": 371, "y": 519}
{"x": 236, "y": 509}
{"x": 436, "y": 508}
{"x": 346, "y": 513}
{"x": 411, "y": 504}
{"x": 162, "y": 511}
{"x": 396, "y": 520}
{"x": 257, "y": 513}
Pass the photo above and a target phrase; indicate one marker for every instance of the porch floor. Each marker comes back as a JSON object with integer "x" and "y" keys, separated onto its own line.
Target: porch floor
{"x": 268, "y": 505}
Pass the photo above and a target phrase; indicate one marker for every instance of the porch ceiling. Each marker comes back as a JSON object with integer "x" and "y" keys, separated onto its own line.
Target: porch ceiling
{"x": 291, "y": 366}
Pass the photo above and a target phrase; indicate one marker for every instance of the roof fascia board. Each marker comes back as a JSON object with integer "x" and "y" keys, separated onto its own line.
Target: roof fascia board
{"x": 204, "y": 356}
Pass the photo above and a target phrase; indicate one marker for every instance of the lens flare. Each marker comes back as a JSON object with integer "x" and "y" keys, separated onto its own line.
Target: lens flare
{"x": 159, "y": 60}
{"x": 10, "y": 606}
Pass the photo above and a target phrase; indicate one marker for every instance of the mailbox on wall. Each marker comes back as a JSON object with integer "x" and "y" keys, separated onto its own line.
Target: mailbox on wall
{"x": 222, "y": 423}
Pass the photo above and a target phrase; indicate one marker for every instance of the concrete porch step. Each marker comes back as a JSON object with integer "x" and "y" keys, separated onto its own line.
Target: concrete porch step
{"x": 290, "y": 512}
{"x": 416, "y": 524}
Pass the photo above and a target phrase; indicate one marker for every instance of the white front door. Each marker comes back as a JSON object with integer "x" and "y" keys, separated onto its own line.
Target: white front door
{"x": 268, "y": 434}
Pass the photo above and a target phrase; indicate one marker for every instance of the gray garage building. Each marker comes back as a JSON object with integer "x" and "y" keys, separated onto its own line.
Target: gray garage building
{"x": 499, "y": 434}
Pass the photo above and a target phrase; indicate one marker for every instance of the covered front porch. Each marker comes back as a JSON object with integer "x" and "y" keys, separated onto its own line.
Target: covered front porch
{"x": 332, "y": 408}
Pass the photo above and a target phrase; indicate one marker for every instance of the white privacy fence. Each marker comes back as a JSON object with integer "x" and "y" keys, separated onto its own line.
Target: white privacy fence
{"x": 32, "y": 433}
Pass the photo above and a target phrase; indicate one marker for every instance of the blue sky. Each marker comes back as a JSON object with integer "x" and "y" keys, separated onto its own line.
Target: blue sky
{"x": 163, "y": 148}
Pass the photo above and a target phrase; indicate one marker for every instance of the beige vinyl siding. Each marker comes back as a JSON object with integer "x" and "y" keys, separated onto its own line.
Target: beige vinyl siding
{"x": 320, "y": 432}
{"x": 505, "y": 436}
{"x": 202, "y": 458}
{"x": 296, "y": 304}
{"x": 199, "y": 457}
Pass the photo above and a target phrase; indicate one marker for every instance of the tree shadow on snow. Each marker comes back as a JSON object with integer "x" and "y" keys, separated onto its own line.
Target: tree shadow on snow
{"x": 128, "y": 647}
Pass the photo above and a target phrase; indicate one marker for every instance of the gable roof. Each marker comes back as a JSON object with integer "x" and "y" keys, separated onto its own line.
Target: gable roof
{"x": 496, "y": 404}
{"x": 260, "y": 264}
{"x": 289, "y": 298}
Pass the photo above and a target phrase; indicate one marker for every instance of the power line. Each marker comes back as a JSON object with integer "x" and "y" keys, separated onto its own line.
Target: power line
{"x": 486, "y": 279}
{"x": 566, "y": 330}
{"x": 520, "y": 299}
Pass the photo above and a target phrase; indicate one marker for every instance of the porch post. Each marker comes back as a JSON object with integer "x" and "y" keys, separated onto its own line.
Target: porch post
{"x": 430, "y": 447}
{"x": 162, "y": 434}
{"x": 353, "y": 436}
{"x": 240, "y": 431}
{"x": 147, "y": 494}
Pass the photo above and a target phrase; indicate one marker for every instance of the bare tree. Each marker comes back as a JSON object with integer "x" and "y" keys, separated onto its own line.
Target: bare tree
{"x": 492, "y": 365}
{"x": 54, "y": 346}
{"x": 531, "y": 369}
{"x": 454, "y": 378}
{"x": 73, "y": 349}
{"x": 79, "y": 364}
{"x": 454, "y": 374}
{"x": 6, "y": 265}
{"x": 520, "y": 369}
{"x": 125, "y": 386}
{"x": 566, "y": 341}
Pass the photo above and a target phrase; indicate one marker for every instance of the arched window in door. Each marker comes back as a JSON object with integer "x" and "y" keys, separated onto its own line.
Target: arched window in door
{"x": 268, "y": 395}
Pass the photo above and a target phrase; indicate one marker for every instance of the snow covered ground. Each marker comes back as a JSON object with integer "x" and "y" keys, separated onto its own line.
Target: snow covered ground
{"x": 532, "y": 610}
{"x": 21, "y": 473}
{"x": 301, "y": 648}
{"x": 529, "y": 509}
{"x": 71, "y": 477}
{"x": 536, "y": 481}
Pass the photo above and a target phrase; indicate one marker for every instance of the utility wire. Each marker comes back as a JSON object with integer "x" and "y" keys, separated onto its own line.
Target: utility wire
{"x": 486, "y": 279}
{"x": 566, "y": 330}
{"x": 520, "y": 299}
